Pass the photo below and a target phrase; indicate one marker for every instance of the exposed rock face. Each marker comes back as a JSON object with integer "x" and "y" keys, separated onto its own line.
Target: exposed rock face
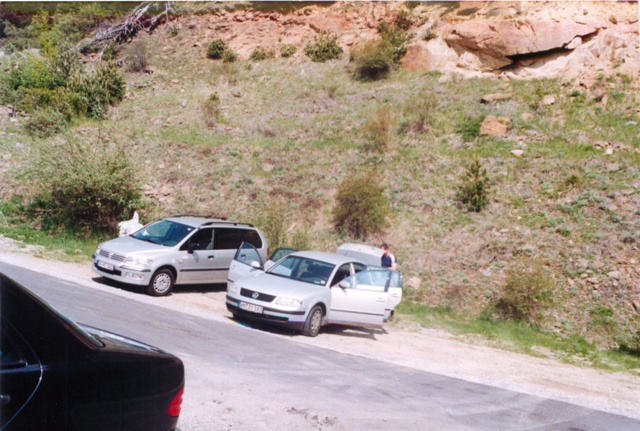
{"x": 517, "y": 39}
{"x": 499, "y": 40}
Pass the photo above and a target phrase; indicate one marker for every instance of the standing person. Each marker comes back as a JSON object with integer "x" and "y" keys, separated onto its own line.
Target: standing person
{"x": 388, "y": 260}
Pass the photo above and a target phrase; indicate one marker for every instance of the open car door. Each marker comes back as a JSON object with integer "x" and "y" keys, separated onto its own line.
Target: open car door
{"x": 246, "y": 262}
{"x": 360, "y": 299}
{"x": 277, "y": 255}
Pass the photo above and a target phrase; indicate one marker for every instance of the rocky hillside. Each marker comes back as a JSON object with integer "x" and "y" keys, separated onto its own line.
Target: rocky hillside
{"x": 519, "y": 39}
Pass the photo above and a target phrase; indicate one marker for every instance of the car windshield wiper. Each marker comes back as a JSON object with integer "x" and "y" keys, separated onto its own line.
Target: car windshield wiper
{"x": 147, "y": 240}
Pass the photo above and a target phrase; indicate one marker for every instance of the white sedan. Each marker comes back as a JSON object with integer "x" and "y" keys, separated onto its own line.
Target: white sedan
{"x": 306, "y": 290}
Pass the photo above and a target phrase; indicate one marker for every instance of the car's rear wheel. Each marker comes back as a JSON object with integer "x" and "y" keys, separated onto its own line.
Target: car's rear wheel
{"x": 314, "y": 322}
{"x": 161, "y": 283}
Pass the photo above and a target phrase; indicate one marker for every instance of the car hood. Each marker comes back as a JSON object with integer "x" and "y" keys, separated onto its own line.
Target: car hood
{"x": 279, "y": 286}
{"x": 131, "y": 245}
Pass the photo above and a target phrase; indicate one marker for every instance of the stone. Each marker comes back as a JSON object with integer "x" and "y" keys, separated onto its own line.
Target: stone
{"x": 517, "y": 153}
{"x": 496, "y": 96}
{"x": 614, "y": 274}
{"x": 494, "y": 126}
{"x": 549, "y": 99}
{"x": 414, "y": 282}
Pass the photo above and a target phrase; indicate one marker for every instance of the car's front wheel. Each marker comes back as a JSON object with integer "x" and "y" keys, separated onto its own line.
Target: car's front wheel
{"x": 161, "y": 283}
{"x": 314, "y": 322}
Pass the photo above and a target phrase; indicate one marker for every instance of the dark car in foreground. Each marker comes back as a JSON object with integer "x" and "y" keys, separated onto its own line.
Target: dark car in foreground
{"x": 56, "y": 374}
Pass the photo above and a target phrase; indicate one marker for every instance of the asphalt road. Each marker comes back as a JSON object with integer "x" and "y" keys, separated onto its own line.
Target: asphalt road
{"x": 244, "y": 379}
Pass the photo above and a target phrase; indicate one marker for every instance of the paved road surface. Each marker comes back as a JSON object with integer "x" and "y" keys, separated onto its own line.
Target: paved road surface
{"x": 244, "y": 379}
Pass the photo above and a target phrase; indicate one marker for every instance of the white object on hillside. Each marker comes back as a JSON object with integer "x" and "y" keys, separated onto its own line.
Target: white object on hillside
{"x": 130, "y": 226}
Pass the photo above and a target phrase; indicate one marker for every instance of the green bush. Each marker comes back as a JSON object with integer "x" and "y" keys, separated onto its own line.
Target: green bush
{"x": 83, "y": 185}
{"x": 109, "y": 77}
{"x": 473, "y": 192}
{"x": 61, "y": 99}
{"x": 137, "y": 57}
{"x": 45, "y": 122}
{"x": 379, "y": 128}
{"x": 211, "y": 110}
{"x": 229, "y": 56}
{"x": 361, "y": 206}
{"x": 260, "y": 54}
{"x": 288, "y": 50}
{"x": 469, "y": 128}
{"x": 526, "y": 294}
{"x": 324, "y": 47}
{"x": 216, "y": 49}
{"x": 420, "y": 111}
{"x": 374, "y": 60}
{"x": 397, "y": 37}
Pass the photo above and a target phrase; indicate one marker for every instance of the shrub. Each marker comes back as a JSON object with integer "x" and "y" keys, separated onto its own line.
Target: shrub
{"x": 136, "y": 57}
{"x": 474, "y": 190}
{"x": 420, "y": 111}
{"x": 374, "y": 60}
{"x": 83, "y": 185}
{"x": 526, "y": 293}
{"x": 288, "y": 50}
{"x": 109, "y": 77}
{"x": 397, "y": 37}
{"x": 324, "y": 47}
{"x": 272, "y": 222}
{"x": 216, "y": 49}
{"x": 378, "y": 129}
{"x": 45, "y": 122}
{"x": 361, "y": 206}
{"x": 260, "y": 54}
{"x": 229, "y": 56}
{"x": 211, "y": 110}
{"x": 66, "y": 102}
{"x": 469, "y": 128}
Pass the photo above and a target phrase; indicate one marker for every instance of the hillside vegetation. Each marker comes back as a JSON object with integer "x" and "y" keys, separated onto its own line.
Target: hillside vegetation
{"x": 271, "y": 141}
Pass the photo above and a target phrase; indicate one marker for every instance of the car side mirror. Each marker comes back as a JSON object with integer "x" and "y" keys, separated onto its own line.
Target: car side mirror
{"x": 344, "y": 284}
{"x": 255, "y": 264}
{"x": 193, "y": 246}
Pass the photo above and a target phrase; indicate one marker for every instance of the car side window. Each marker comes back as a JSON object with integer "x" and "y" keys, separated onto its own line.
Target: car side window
{"x": 343, "y": 272}
{"x": 226, "y": 239}
{"x": 10, "y": 355}
{"x": 357, "y": 267}
{"x": 251, "y": 236}
{"x": 203, "y": 238}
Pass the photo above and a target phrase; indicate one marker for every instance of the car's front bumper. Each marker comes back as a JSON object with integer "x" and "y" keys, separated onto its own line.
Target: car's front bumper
{"x": 122, "y": 272}
{"x": 285, "y": 318}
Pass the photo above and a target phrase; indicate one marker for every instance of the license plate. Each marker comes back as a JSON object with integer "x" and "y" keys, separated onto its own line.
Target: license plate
{"x": 250, "y": 307}
{"x": 105, "y": 265}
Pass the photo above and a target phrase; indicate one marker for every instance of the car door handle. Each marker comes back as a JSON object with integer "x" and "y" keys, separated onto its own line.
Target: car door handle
{"x": 210, "y": 257}
{"x": 379, "y": 299}
{"x": 5, "y": 399}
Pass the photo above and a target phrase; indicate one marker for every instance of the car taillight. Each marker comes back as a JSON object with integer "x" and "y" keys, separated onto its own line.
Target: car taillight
{"x": 176, "y": 404}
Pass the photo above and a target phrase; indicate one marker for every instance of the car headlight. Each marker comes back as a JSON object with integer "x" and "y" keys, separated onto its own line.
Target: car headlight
{"x": 289, "y": 302}
{"x": 234, "y": 288}
{"x": 136, "y": 261}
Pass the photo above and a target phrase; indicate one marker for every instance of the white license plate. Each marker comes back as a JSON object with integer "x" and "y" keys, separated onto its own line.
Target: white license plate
{"x": 250, "y": 307}
{"x": 105, "y": 265}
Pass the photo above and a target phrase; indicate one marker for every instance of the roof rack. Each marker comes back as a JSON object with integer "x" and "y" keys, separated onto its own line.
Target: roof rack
{"x": 201, "y": 216}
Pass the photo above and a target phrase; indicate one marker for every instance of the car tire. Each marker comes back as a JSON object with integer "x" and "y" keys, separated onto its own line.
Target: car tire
{"x": 313, "y": 323}
{"x": 161, "y": 283}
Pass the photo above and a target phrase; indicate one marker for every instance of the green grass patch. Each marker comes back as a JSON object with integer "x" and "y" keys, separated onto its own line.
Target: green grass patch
{"x": 520, "y": 337}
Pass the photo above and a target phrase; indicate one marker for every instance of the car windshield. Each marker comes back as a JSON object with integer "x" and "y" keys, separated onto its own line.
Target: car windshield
{"x": 164, "y": 232}
{"x": 303, "y": 269}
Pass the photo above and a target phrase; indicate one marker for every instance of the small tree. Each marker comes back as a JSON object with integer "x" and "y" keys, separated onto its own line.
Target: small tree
{"x": 361, "y": 206}
{"x": 216, "y": 49}
{"x": 474, "y": 190}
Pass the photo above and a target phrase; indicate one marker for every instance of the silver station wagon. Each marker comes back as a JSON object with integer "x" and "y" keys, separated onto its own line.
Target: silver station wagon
{"x": 176, "y": 250}
{"x": 306, "y": 290}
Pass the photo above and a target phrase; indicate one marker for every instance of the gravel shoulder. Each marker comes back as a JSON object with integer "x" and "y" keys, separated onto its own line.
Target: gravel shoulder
{"x": 401, "y": 343}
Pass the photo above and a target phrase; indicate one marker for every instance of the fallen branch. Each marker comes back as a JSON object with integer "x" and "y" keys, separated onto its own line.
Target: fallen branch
{"x": 135, "y": 21}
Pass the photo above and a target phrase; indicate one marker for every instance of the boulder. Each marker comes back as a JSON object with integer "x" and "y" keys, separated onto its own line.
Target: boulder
{"x": 499, "y": 40}
{"x": 494, "y": 126}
